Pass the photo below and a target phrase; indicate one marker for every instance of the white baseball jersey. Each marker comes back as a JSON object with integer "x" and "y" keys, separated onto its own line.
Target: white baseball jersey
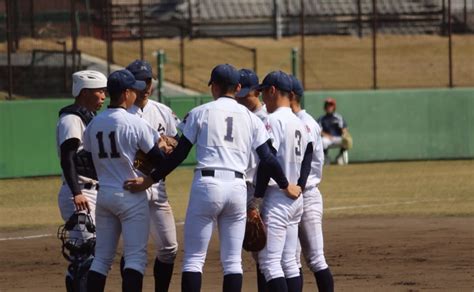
{"x": 290, "y": 138}
{"x": 225, "y": 133}
{"x": 159, "y": 116}
{"x": 70, "y": 126}
{"x": 262, "y": 114}
{"x": 317, "y": 162}
{"x": 113, "y": 138}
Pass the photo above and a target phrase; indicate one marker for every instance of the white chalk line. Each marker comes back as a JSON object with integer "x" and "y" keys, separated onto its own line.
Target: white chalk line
{"x": 26, "y": 237}
{"x": 384, "y": 204}
{"x": 180, "y": 223}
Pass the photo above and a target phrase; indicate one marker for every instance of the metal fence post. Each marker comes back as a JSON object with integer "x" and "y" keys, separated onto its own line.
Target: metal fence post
{"x": 294, "y": 61}
{"x": 359, "y": 18}
{"x": 181, "y": 57}
{"x": 108, "y": 29}
{"x": 32, "y": 18}
{"x": 73, "y": 33}
{"x": 160, "y": 59}
{"x": 63, "y": 43}
{"x": 374, "y": 44}
{"x": 302, "y": 32}
{"x": 450, "y": 45}
{"x": 142, "y": 49}
{"x": 254, "y": 57}
{"x": 9, "y": 47}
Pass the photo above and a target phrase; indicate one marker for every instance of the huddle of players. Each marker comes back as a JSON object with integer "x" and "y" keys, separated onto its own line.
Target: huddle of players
{"x": 239, "y": 149}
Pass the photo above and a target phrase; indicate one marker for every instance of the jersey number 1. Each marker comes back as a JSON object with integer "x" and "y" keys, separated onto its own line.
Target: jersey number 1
{"x": 113, "y": 145}
{"x": 230, "y": 124}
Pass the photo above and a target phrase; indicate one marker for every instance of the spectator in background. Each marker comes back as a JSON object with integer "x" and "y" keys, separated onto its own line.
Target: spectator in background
{"x": 334, "y": 132}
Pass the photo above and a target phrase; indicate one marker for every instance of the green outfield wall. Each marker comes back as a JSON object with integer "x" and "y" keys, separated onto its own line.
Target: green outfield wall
{"x": 385, "y": 124}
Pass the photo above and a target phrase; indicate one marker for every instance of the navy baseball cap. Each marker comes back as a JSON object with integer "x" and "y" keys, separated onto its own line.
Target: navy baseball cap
{"x": 123, "y": 79}
{"x": 279, "y": 79}
{"x": 297, "y": 86}
{"x": 140, "y": 69}
{"x": 225, "y": 74}
{"x": 248, "y": 80}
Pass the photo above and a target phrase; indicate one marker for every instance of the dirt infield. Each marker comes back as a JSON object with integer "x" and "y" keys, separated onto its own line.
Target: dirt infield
{"x": 365, "y": 254}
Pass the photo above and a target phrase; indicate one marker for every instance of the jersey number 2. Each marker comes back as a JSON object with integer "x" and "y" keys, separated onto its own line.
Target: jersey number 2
{"x": 113, "y": 145}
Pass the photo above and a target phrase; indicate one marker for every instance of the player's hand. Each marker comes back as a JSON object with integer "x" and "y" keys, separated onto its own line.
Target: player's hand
{"x": 167, "y": 144}
{"x": 81, "y": 203}
{"x": 164, "y": 146}
{"x": 293, "y": 191}
{"x": 138, "y": 184}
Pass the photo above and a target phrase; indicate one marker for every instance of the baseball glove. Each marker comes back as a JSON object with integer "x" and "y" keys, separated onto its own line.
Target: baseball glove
{"x": 255, "y": 232}
{"x": 346, "y": 140}
{"x": 142, "y": 164}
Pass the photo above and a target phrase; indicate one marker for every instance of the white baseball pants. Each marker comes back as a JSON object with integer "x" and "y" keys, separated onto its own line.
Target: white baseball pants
{"x": 121, "y": 212}
{"x": 310, "y": 231}
{"x": 162, "y": 224}
{"x": 220, "y": 199}
{"x": 281, "y": 216}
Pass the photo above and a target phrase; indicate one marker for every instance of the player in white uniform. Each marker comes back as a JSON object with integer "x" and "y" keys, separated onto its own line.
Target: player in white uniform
{"x": 224, "y": 133}
{"x": 310, "y": 229}
{"x": 282, "y": 214}
{"x": 79, "y": 187}
{"x": 162, "y": 224}
{"x": 113, "y": 138}
{"x": 248, "y": 96}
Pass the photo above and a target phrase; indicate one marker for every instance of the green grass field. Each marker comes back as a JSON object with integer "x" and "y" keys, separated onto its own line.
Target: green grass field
{"x": 433, "y": 188}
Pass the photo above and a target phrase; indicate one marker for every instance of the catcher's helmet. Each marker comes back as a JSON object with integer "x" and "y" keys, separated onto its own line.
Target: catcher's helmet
{"x": 77, "y": 236}
{"x": 87, "y": 79}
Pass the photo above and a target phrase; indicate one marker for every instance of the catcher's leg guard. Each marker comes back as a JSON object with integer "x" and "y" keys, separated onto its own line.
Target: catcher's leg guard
{"x": 95, "y": 282}
{"x": 324, "y": 280}
{"x": 277, "y": 285}
{"x": 132, "y": 281}
{"x": 294, "y": 284}
{"x": 232, "y": 283}
{"x": 69, "y": 284}
{"x": 162, "y": 273}
{"x": 191, "y": 282}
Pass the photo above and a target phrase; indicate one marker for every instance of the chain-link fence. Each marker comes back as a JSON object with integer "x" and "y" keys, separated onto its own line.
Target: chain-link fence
{"x": 342, "y": 44}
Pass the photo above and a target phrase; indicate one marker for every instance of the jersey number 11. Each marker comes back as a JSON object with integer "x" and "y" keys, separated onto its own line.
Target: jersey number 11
{"x": 113, "y": 145}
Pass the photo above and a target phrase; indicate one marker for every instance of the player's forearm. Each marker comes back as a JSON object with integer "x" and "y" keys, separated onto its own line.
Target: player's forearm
{"x": 172, "y": 161}
{"x": 262, "y": 180}
{"x": 271, "y": 166}
{"x": 306, "y": 166}
{"x": 68, "y": 150}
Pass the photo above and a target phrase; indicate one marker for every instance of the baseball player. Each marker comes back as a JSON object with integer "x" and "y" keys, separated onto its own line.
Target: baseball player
{"x": 282, "y": 214}
{"x": 79, "y": 187}
{"x": 248, "y": 96}
{"x": 224, "y": 133}
{"x": 113, "y": 138}
{"x": 162, "y": 224}
{"x": 310, "y": 231}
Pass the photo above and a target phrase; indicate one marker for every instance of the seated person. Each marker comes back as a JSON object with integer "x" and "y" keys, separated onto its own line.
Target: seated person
{"x": 334, "y": 132}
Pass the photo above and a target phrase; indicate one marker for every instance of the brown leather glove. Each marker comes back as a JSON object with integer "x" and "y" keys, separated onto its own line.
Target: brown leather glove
{"x": 255, "y": 231}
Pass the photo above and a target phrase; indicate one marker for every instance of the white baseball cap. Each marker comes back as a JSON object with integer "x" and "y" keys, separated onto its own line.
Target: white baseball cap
{"x": 89, "y": 79}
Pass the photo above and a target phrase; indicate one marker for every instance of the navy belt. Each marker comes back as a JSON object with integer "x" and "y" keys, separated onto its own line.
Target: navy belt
{"x": 210, "y": 172}
{"x": 91, "y": 186}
